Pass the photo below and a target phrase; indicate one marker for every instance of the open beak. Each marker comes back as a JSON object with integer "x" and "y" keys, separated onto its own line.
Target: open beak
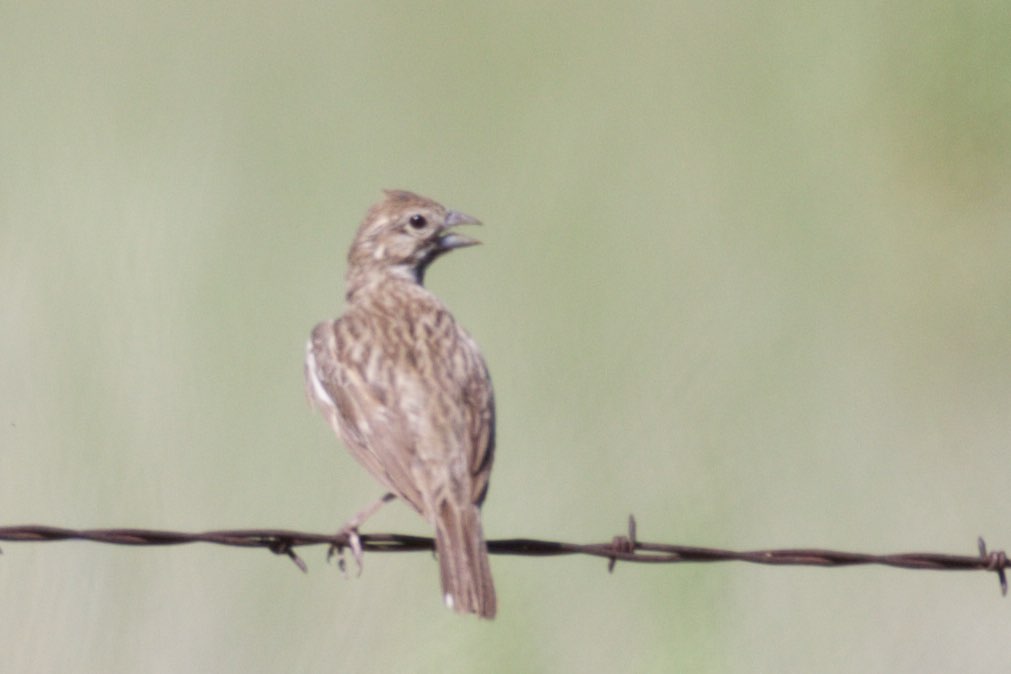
{"x": 450, "y": 240}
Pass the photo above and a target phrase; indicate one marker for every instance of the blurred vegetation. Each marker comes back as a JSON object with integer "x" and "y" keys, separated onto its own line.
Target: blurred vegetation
{"x": 747, "y": 274}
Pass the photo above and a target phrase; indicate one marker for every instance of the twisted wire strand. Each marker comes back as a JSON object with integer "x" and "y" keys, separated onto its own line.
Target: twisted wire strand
{"x": 624, "y": 547}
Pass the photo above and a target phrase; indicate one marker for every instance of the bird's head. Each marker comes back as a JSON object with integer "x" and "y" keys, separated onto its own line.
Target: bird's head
{"x": 404, "y": 233}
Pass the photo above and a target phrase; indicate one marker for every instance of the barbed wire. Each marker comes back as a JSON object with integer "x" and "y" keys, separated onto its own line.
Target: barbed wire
{"x": 625, "y": 548}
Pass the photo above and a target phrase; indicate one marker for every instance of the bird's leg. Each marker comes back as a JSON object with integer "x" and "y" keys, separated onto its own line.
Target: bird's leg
{"x": 350, "y": 530}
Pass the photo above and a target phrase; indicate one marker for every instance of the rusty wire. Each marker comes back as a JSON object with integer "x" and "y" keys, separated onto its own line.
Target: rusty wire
{"x": 625, "y": 548}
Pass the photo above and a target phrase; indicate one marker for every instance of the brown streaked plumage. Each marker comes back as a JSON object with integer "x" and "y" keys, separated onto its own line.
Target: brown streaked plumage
{"x": 406, "y": 387}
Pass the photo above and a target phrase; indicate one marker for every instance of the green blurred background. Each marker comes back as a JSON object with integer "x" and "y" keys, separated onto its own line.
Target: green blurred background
{"x": 746, "y": 274}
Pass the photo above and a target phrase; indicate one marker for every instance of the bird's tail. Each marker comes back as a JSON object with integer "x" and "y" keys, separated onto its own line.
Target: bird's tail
{"x": 463, "y": 560}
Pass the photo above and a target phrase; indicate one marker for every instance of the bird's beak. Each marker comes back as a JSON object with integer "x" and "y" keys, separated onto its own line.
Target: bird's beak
{"x": 451, "y": 240}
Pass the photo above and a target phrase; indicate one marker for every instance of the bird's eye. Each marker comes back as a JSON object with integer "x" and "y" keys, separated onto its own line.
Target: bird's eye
{"x": 418, "y": 221}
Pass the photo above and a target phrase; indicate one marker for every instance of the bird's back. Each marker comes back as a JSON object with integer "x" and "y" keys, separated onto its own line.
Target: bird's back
{"x": 408, "y": 391}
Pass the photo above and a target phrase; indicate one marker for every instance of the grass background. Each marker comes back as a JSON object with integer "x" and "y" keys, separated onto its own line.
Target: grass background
{"x": 747, "y": 275}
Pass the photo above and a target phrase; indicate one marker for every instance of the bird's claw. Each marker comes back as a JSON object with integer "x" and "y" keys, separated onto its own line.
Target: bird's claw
{"x": 354, "y": 542}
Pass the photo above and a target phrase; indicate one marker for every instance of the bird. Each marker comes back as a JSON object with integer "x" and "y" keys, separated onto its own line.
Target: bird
{"x": 407, "y": 389}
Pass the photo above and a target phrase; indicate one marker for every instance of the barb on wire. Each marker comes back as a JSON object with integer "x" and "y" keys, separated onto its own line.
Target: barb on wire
{"x": 625, "y": 548}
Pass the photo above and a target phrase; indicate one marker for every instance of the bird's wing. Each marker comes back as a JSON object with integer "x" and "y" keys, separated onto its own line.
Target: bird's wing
{"x": 479, "y": 399}
{"x": 360, "y": 407}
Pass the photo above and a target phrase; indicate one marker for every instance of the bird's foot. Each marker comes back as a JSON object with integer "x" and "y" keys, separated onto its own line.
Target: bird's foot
{"x": 354, "y": 542}
{"x": 349, "y": 532}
